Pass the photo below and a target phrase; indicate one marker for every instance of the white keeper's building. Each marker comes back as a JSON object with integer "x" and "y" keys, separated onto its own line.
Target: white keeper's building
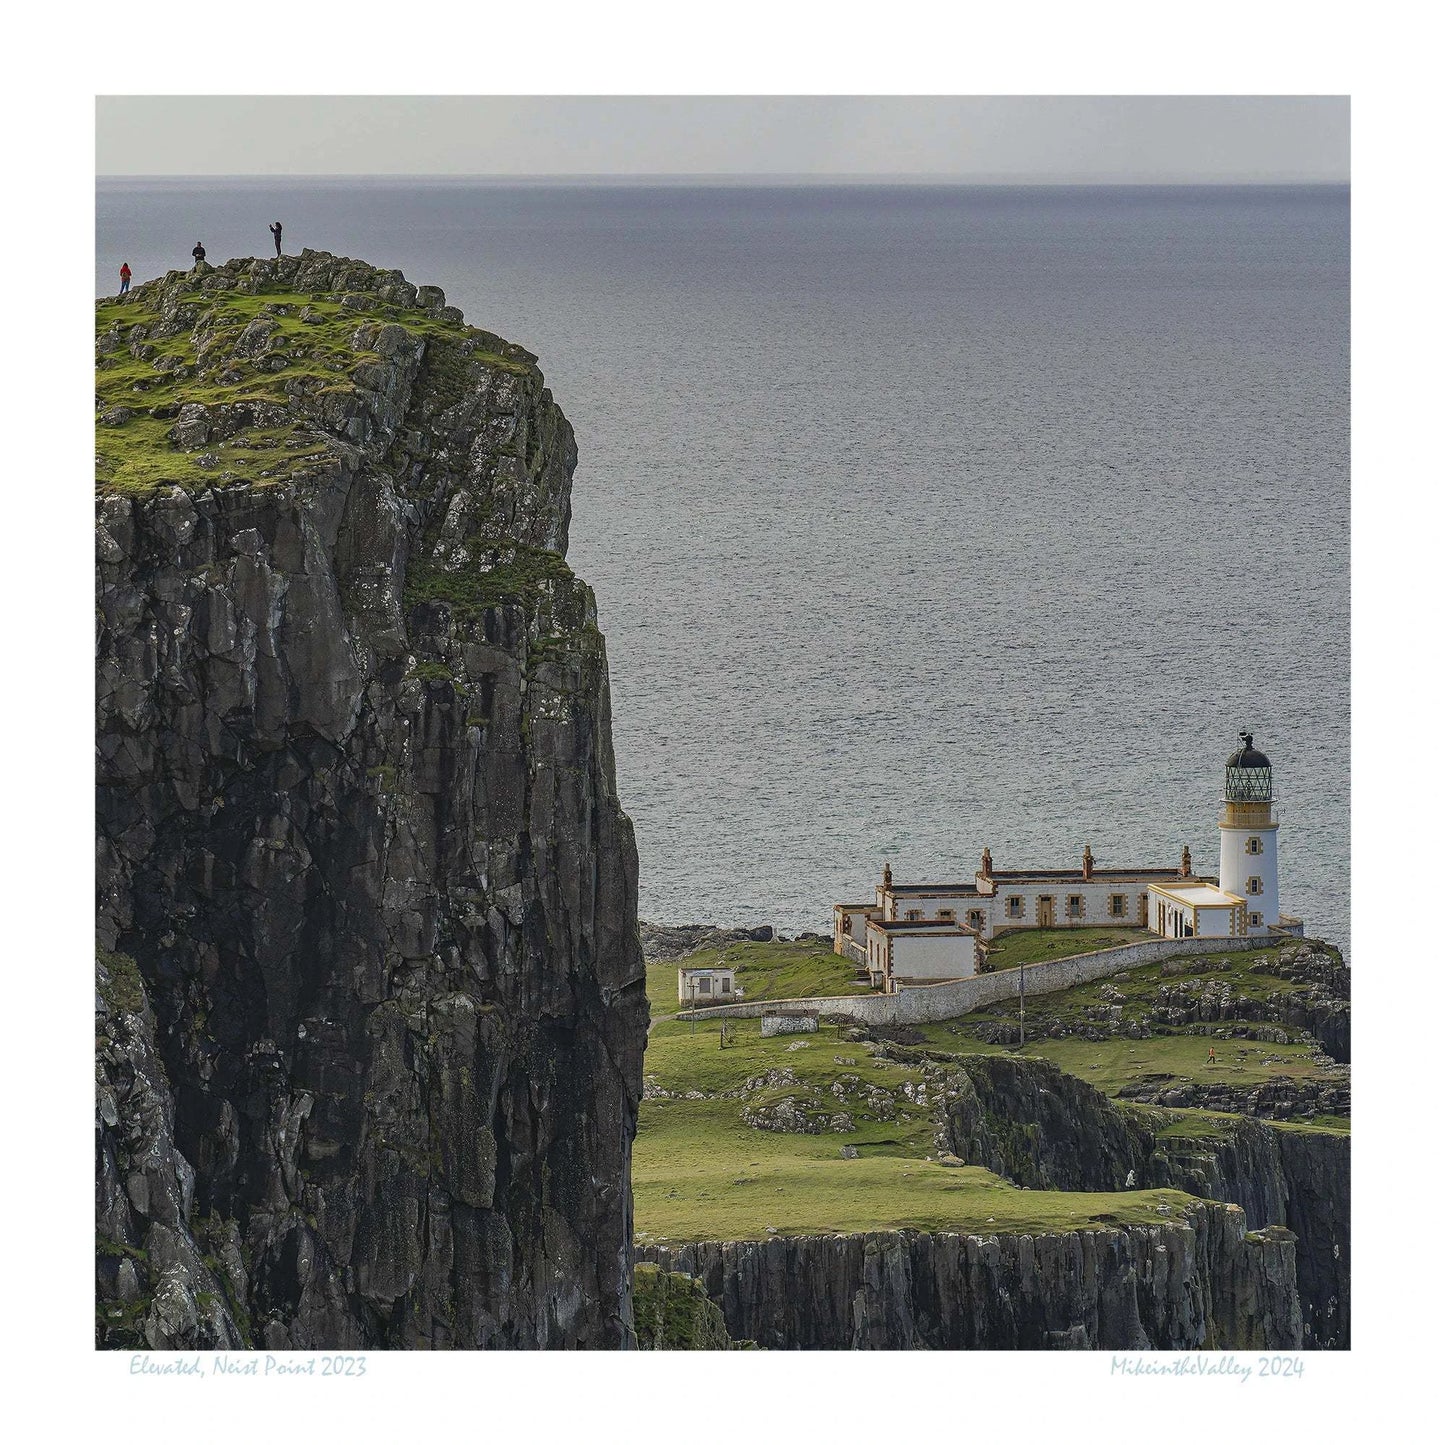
{"x": 915, "y": 933}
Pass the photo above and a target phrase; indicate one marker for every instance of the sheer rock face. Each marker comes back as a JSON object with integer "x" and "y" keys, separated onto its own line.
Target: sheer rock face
{"x": 1042, "y": 1128}
{"x": 358, "y": 828}
{"x": 1202, "y": 1282}
{"x": 157, "y": 1284}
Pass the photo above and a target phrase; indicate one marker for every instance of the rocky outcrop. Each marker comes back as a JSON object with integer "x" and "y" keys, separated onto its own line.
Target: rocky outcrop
{"x": 1202, "y": 994}
{"x": 664, "y": 942}
{"x": 1042, "y": 1128}
{"x": 673, "y": 1312}
{"x": 1278, "y": 1098}
{"x": 1318, "y": 1003}
{"x": 1203, "y": 1282}
{"x": 357, "y": 822}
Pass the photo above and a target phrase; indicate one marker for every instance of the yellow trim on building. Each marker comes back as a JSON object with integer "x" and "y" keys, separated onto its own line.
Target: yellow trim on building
{"x": 1189, "y": 902}
{"x": 1251, "y": 816}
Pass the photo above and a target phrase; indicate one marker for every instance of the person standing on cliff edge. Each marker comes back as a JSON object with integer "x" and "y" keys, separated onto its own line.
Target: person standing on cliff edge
{"x": 124, "y": 277}
{"x": 198, "y": 253}
{"x": 275, "y": 229}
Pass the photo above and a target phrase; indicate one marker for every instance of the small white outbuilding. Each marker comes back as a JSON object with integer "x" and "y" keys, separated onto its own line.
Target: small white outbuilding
{"x": 699, "y": 987}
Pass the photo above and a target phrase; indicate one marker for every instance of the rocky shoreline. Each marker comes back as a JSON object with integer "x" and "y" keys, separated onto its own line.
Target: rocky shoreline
{"x": 664, "y": 942}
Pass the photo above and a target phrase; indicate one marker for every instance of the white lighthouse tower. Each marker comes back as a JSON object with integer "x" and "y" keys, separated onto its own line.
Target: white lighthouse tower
{"x": 1249, "y": 836}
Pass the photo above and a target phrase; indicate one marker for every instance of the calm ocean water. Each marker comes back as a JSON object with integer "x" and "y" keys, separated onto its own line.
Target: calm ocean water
{"x": 920, "y": 518}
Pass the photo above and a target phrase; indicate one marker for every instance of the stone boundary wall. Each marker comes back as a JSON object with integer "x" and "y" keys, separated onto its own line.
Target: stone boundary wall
{"x": 931, "y": 1002}
{"x": 790, "y": 1023}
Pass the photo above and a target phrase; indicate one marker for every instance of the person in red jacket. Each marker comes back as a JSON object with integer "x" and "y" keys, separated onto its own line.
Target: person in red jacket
{"x": 124, "y": 277}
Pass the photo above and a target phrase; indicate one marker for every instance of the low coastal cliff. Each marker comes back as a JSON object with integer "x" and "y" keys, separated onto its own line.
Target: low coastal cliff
{"x": 1042, "y": 1128}
{"x": 1202, "y": 1282}
{"x": 372, "y": 1076}
{"x": 1262, "y": 1260}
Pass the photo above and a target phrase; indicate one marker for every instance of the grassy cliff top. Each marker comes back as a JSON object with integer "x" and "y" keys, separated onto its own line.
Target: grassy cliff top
{"x": 705, "y": 1166}
{"x": 255, "y": 371}
{"x": 747, "y": 1140}
{"x": 779, "y": 969}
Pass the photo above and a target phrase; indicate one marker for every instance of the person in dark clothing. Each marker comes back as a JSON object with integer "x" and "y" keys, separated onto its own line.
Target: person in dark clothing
{"x": 198, "y": 252}
{"x": 275, "y": 229}
{"x": 124, "y": 277}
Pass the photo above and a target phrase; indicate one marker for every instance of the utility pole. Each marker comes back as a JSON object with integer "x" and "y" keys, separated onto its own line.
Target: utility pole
{"x": 1021, "y": 1007}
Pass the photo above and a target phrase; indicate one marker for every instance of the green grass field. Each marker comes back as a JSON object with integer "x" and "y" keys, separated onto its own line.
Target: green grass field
{"x": 680, "y": 1057}
{"x": 701, "y": 1172}
{"x": 807, "y": 968}
{"x": 1112, "y": 1064}
{"x": 314, "y": 356}
{"x": 1035, "y": 945}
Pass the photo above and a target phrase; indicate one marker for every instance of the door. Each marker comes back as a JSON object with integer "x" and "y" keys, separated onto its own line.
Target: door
{"x": 1046, "y": 911}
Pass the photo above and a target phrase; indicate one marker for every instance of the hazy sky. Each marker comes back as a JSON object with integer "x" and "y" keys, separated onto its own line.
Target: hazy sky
{"x": 990, "y": 138}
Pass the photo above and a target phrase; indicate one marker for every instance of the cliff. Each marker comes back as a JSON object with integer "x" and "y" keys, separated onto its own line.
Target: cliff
{"x": 1199, "y": 1282}
{"x": 1258, "y": 1257}
{"x": 1045, "y": 1129}
{"x": 374, "y": 1078}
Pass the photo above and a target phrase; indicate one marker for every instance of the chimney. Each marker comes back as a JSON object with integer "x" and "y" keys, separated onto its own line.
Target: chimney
{"x": 1088, "y": 862}
{"x": 986, "y": 867}
{"x": 1186, "y": 864}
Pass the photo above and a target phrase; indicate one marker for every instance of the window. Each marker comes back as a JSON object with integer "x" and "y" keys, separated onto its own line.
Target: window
{"x": 1074, "y": 908}
{"x": 1118, "y": 905}
{"x": 975, "y": 918}
{"x": 1256, "y": 920}
{"x": 1015, "y": 908}
{"x": 704, "y": 985}
{"x": 725, "y": 986}
{"x": 946, "y": 913}
{"x": 1255, "y": 885}
{"x": 1254, "y": 845}
{"x": 913, "y": 915}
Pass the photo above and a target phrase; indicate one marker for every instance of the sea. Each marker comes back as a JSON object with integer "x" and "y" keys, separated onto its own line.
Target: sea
{"x": 921, "y": 518}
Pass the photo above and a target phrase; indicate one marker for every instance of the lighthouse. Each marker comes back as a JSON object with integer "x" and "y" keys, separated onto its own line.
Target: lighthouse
{"x": 1249, "y": 836}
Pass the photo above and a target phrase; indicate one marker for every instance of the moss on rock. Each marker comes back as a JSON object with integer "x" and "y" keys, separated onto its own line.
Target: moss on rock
{"x": 250, "y": 373}
{"x": 119, "y": 982}
{"x": 672, "y": 1312}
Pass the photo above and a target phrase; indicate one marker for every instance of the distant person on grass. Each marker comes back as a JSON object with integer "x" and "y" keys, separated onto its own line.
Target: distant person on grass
{"x": 124, "y": 277}
{"x": 198, "y": 253}
{"x": 275, "y": 229}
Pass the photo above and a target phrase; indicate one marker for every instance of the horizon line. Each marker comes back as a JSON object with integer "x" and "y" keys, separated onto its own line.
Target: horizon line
{"x": 723, "y": 177}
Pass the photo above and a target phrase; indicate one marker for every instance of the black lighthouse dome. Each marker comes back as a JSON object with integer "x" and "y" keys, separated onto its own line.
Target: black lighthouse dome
{"x": 1248, "y": 777}
{"x": 1248, "y": 756}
